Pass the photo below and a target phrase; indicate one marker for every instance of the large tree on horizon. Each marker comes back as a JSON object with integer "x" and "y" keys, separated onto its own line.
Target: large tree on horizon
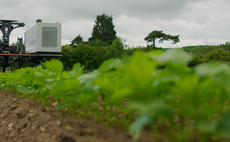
{"x": 162, "y": 36}
{"x": 104, "y": 29}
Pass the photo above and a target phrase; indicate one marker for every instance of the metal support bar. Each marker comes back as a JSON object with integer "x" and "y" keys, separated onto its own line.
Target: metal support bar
{"x": 28, "y": 55}
{"x": 3, "y": 69}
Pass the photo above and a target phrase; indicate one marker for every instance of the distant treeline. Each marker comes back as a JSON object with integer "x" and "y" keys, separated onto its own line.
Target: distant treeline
{"x": 92, "y": 54}
{"x": 208, "y": 53}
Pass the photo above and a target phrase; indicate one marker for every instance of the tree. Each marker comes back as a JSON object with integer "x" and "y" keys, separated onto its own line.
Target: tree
{"x": 77, "y": 40}
{"x": 97, "y": 43}
{"x": 104, "y": 29}
{"x": 116, "y": 49}
{"x": 159, "y": 34}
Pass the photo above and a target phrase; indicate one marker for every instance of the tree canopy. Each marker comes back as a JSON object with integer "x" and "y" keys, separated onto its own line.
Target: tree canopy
{"x": 162, "y": 36}
{"x": 77, "y": 40}
{"x": 104, "y": 29}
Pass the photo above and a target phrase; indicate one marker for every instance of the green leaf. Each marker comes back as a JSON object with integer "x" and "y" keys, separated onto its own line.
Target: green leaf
{"x": 86, "y": 78}
{"x": 66, "y": 85}
{"x": 156, "y": 108}
{"x": 109, "y": 64}
{"x": 207, "y": 127}
{"x": 53, "y": 66}
{"x": 155, "y": 52}
{"x": 38, "y": 81}
{"x": 212, "y": 69}
{"x": 21, "y": 89}
{"x": 137, "y": 126}
{"x": 84, "y": 98}
{"x": 175, "y": 56}
{"x": 77, "y": 68}
{"x": 223, "y": 125}
{"x": 119, "y": 95}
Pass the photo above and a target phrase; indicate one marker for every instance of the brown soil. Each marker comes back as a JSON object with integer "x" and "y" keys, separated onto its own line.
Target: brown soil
{"x": 25, "y": 120}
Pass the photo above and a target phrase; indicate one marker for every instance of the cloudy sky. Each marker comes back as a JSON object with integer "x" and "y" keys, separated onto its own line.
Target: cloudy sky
{"x": 198, "y": 22}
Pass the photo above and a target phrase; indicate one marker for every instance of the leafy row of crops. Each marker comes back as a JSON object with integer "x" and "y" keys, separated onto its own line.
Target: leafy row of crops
{"x": 154, "y": 89}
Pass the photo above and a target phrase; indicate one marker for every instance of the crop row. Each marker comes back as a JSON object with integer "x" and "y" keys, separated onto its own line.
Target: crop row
{"x": 154, "y": 89}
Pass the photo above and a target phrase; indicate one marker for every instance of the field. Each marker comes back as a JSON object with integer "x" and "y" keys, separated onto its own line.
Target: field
{"x": 150, "y": 96}
{"x": 25, "y": 120}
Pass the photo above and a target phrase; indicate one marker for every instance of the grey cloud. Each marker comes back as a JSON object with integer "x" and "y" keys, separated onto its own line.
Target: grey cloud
{"x": 196, "y": 21}
{"x": 88, "y": 9}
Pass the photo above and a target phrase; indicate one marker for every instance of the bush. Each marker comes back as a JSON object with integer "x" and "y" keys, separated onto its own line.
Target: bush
{"x": 89, "y": 56}
{"x": 217, "y": 55}
{"x": 116, "y": 49}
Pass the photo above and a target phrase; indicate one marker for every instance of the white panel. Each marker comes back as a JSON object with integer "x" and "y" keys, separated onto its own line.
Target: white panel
{"x": 31, "y": 40}
{"x": 45, "y": 36}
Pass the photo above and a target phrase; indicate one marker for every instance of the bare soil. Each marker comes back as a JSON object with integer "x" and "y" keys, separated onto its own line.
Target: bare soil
{"x": 26, "y": 120}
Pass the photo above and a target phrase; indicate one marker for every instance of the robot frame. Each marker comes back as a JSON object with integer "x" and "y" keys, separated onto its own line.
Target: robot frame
{"x": 42, "y": 43}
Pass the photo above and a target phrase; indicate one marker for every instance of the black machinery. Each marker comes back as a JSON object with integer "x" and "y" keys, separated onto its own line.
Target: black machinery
{"x": 9, "y": 54}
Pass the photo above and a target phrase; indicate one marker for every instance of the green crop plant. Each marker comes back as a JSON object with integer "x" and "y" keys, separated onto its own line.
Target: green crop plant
{"x": 154, "y": 89}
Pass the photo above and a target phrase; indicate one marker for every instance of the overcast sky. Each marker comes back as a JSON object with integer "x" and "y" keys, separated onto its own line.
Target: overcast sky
{"x": 198, "y": 22}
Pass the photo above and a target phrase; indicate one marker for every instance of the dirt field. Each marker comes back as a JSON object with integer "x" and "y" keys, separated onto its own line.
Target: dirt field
{"x": 25, "y": 120}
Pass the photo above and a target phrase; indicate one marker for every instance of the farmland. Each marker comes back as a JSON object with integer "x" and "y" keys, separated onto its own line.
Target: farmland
{"x": 23, "y": 120}
{"x": 154, "y": 91}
